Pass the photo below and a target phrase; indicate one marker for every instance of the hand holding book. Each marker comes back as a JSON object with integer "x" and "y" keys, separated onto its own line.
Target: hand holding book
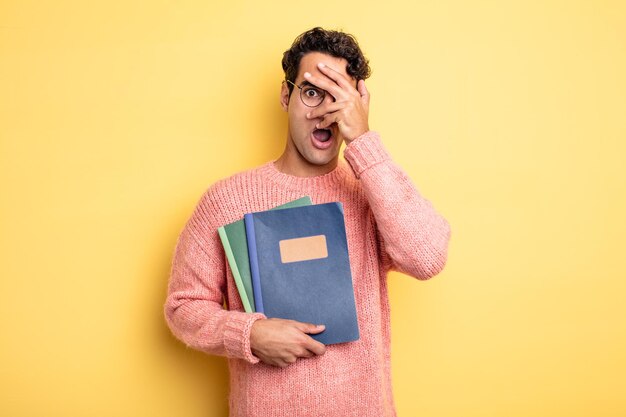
{"x": 281, "y": 342}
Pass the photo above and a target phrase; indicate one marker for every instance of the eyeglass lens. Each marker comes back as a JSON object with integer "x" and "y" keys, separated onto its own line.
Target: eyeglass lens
{"x": 312, "y": 96}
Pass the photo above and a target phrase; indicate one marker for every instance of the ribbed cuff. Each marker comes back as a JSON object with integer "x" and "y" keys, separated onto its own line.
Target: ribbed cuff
{"x": 364, "y": 152}
{"x": 237, "y": 335}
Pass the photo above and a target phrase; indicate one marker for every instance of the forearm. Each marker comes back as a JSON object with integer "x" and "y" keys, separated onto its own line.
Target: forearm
{"x": 193, "y": 309}
{"x": 415, "y": 236}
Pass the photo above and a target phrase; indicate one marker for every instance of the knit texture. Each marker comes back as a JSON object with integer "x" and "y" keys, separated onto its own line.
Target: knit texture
{"x": 389, "y": 226}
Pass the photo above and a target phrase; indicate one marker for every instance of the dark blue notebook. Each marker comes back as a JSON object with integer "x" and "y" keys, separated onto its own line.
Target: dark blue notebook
{"x": 301, "y": 269}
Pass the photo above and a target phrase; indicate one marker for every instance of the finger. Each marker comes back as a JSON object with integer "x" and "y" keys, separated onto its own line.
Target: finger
{"x": 328, "y": 120}
{"x": 310, "y": 328}
{"x": 316, "y": 347}
{"x": 365, "y": 95}
{"x": 326, "y": 83}
{"x": 325, "y": 109}
{"x": 336, "y": 76}
{"x": 304, "y": 353}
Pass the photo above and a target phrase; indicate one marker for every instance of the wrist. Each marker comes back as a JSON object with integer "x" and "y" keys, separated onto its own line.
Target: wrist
{"x": 363, "y": 132}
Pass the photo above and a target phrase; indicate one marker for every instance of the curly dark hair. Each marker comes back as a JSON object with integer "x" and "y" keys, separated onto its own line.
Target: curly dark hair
{"x": 331, "y": 42}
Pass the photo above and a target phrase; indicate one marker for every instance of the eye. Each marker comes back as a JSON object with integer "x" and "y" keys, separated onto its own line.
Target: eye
{"x": 312, "y": 92}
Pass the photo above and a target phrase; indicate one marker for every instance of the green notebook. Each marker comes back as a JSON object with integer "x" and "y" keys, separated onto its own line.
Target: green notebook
{"x": 235, "y": 244}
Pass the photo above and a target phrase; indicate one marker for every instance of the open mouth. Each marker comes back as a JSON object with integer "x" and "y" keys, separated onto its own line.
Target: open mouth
{"x": 323, "y": 135}
{"x": 322, "y": 139}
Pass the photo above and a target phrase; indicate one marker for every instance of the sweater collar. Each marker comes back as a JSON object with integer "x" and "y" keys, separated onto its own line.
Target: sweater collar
{"x": 329, "y": 179}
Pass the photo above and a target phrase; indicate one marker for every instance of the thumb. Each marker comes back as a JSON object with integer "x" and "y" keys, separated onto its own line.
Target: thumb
{"x": 312, "y": 328}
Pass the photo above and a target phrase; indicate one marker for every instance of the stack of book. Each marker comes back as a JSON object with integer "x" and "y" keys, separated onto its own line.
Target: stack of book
{"x": 292, "y": 262}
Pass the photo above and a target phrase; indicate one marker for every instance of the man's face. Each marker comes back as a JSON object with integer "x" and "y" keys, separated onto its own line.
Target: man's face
{"x": 312, "y": 146}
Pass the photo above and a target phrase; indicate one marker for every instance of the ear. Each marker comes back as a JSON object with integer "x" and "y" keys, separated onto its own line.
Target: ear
{"x": 284, "y": 96}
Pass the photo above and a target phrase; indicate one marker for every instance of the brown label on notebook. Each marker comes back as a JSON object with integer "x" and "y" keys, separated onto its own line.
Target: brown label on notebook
{"x": 303, "y": 249}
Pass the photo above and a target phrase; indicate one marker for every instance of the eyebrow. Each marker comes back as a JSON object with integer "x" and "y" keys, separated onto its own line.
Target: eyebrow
{"x": 306, "y": 83}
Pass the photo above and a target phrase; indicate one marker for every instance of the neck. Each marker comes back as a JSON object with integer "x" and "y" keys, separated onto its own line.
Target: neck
{"x": 291, "y": 162}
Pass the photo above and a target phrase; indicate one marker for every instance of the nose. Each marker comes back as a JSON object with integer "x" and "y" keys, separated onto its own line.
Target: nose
{"x": 328, "y": 98}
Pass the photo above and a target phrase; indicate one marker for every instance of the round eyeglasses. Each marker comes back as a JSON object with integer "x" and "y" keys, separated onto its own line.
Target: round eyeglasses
{"x": 310, "y": 95}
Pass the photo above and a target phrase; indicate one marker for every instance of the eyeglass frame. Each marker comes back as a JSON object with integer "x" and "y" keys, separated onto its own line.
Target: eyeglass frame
{"x": 312, "y": 86}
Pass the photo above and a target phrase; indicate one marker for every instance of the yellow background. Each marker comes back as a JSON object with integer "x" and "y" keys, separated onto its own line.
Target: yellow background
{"x": 509, "y": 116}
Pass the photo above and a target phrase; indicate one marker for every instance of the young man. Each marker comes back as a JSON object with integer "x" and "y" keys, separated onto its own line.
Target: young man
{"x": 276, "y": 368}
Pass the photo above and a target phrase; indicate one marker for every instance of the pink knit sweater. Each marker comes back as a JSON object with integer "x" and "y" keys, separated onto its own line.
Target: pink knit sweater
{"x": 389, "y": 225}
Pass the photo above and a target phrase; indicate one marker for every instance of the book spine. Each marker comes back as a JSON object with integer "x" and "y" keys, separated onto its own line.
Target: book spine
{"x": 235, "y": 270}
{"x": 254, "y": 263}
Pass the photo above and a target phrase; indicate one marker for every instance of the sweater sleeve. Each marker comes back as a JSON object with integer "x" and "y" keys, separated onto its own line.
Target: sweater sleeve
{"x": 193, "y": 308}
{"x": 414, "y": 236}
